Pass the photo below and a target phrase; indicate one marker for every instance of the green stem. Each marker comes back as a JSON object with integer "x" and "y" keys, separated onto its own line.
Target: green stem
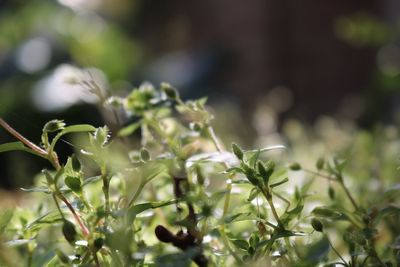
{"x": 320, "y": 175}
{"x": 137, "y": 193}
{"x": 346, "y": 190}
{"x": 336, "y": 252}
{"x": 228, "y": 247}
{"x": 106, "y": 188}
{"x": 58, "y": 206}
{"x": 340, "y": 181}
{"x": 84, "y": 229}
{"x": 268, "y": 197}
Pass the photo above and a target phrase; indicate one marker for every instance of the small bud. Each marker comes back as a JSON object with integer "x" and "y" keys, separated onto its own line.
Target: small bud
{"x": 331, "y": 193}
{"x": 265, "y": 170}
{"x": 199, "y": 175}
{"x": 270, "y": 165}
{"x": 101, "y": 136}
{"x": 169, "y": 91}
{"x": 237, "y": 151}
{"x": 115, "y": 102}
{"x": 195, "y": 126}
{"x": 366, "y": 219}
{"x": 53, "y": 126}
{"x": 261, "y": 169}
{"x": 69, "y": 231}
{"x": 320, "y": 164}
{"x": 144, "y": 154}
{"x": 261, "y": 228}
{"x": 295, "y": 166}
{"x": 317, "y": 225}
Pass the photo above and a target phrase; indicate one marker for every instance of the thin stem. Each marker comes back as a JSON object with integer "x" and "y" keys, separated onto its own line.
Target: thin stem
{"x": 21, "y": 138}
{"x": 215, "y": 140}
{"x": 320, "y": 175}
{"x": 58, "y": 206}
{"x": 336, "y": 252}
{"x": 106, "y": 188}
{"x": 137, "y": 193}
{"x": 340, "y": 181}
{"x": 84, "y": 229}
{"x": 268, "y": 197}
{"x": 346, "y": 190}
{"x": 96, "y": 259}
{"x": 228, "y": 190}
{"x": 228, "y": 247}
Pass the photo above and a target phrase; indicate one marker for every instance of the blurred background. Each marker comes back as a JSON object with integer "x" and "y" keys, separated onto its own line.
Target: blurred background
{"x": 274, "y": 71}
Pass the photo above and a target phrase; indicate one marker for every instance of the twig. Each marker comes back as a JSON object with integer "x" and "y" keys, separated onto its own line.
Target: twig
{"x": 21, "y": 138}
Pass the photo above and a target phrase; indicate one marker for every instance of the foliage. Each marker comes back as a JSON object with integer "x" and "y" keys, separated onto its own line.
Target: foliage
{"x": 179, "y": 198}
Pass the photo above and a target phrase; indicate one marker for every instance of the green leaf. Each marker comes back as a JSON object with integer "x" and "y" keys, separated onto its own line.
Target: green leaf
{"x": 279, "y": 183}
{"x": 253, "y": 193}
{"x": 130, "y": 129}
{"x": 170, "y": 91}
{"x": 240, "y": 243}
{"x": 18, "y": 146}
{"x": 12, "y": 146}
{"x": 48, "y": 218}
{"x": 295, "y": 166}
{"x": 152, "y": 170}
{"x": 242, "y": 216}
{"x": 91, "y": 180}
{"x": 74, "y": 183}
{"x": 251, "y": 157}
{"x": 71, "y": 129}
{"x": 237, "y": 151}
{"x": 136, "y": 209}
{"x": 326, "y": 212}
{"x": 291, "y": 214}
{"x": 286, "y": 233}
{"x": 320, "y": 164}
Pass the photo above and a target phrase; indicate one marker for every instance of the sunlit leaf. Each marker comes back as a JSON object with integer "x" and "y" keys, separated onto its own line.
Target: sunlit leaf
{"x": 130, "y": 129}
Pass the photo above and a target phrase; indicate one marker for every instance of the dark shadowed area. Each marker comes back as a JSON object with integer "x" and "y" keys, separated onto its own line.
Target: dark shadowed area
{"x": 261, "y": 63}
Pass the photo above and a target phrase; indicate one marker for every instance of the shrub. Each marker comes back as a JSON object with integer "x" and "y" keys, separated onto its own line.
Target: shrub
{"x": 179, "y": 198}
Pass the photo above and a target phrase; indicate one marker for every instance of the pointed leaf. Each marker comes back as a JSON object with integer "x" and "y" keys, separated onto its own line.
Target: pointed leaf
{"x": 18, "y": 146}
{"x": 130, "y": 129}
